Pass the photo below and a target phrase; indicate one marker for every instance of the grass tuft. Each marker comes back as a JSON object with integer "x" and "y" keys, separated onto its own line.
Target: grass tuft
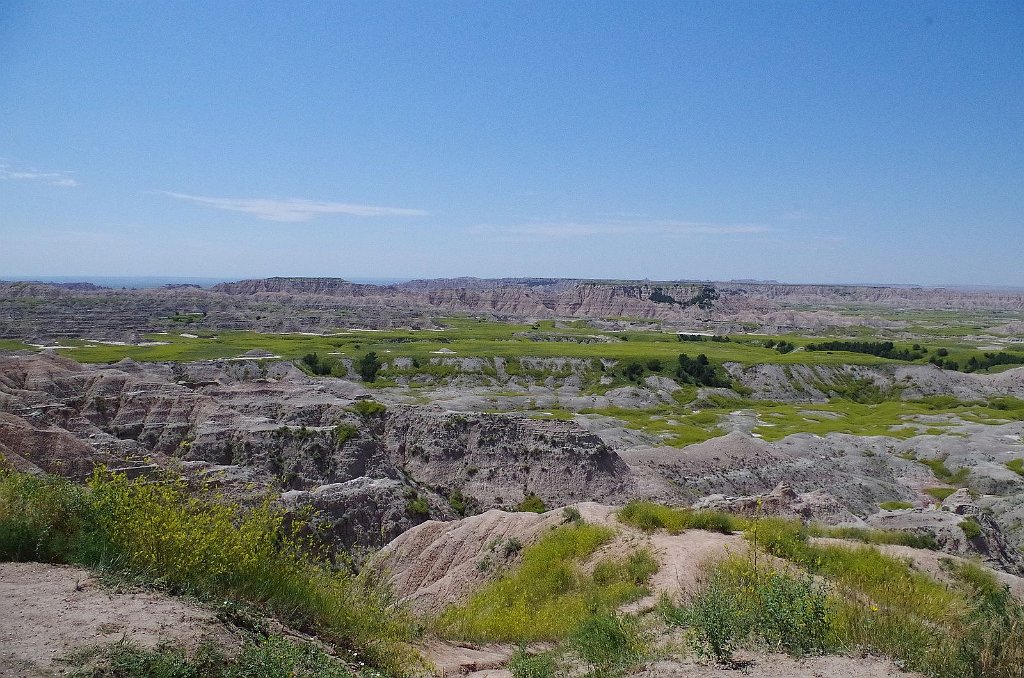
{"x": 940, "y": 493}
{"x": 648, "y": 516}
{"x": 895, "y": 505}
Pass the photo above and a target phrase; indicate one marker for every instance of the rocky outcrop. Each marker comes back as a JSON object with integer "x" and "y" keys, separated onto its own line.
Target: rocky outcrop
{"x": 960, "y": 528}
{"x": 441, "y": 563}
{"x": 256, "y": 426}
{"x": 496, "y": 460}
{"x": 783, "y": 501}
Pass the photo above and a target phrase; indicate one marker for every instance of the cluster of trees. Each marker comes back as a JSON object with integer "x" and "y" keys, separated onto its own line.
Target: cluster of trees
{"x": 882, "y": 349}
{"x": 944, "y": 364}
{"x": 703, "y": 337}
{"x": 991, "y": 359}
{"x": 634, "y": 370}
{"x": 701, "y": 372}
{"x": 317, "y": 365}
{"x": 367, "y": 366}
{"x": 780, "y": 346}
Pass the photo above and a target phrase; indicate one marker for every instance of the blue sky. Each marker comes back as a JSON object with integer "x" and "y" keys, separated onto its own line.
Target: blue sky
{"x": 804, "y": 142}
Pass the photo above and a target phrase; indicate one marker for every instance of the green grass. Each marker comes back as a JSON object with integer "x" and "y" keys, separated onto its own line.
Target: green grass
{"x": 943, "y": 472}
{"x": 548, "y": 596}
{"x": 882, "y": 604}
{"x": 1016, "y": 465}
{"x": 649, "y": 516}
{"x": 201, "y": 546}
{"x": 739, "y": 603}
{"x": 940, "y": 493}
{"x": 917, "y": 540}
{"x": 466, "y": 337}
{"x": 895, "y": 505}
{"x": 678, "y": 425}
{"x": 12, "y": 345}
{"x": 884, "y": 579}
{"x": 262, "y": 656}
{"x": 674, "y": 426}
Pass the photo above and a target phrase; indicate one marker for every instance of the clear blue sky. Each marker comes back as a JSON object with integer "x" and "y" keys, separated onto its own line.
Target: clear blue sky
{"x": 819, "y": 141}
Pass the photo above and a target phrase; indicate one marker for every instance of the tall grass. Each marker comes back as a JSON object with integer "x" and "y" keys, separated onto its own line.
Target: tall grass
{"x": 260, "y": 657}
{"x": 740, "y": 602}
{"x": 160, "y": 531}
{"x": 882, "y": 603}
{"x": 917, "y": 540}
{"x": 549, "y": 596}
{"x": 648, "y": 516}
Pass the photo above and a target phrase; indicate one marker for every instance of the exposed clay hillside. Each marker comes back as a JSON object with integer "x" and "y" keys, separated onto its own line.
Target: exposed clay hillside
{"x": 254, "y": 428}
{"x": 815, "y": 383}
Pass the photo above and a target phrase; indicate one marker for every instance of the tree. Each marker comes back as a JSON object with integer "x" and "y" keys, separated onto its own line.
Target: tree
{"x": 368, "y": 366}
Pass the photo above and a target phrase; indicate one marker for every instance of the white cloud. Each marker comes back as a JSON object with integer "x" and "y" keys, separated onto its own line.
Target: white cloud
{"x": 32, "y": 174}
{"x": 545, "y": 230}
{"x": 294, "y": 209}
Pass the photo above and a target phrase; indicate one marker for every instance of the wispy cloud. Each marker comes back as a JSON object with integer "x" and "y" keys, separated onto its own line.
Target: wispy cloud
{"x": 548, "y": 230}
{"x": 10, "y": 172}
{"x": 294, "y": 209}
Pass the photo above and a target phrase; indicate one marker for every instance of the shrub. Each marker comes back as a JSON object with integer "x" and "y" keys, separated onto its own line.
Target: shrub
{"x": 608, "y": 642}
{"x": 48, "y": 519}
{"x": 971, "y": 528}
{"x": 368, "y": 409}
{"x": 417, "y": 507}
{"x": 523, "y": 665}
{"x": 738, "y": 601}
{"x": 458, "y": 502}
{"x": 344, "y": 433}
{"x": 277, "y": 657}
{"x": 571, "y": 514}
{"x": 532, "y": 504}
{"x": 368, "y": 366}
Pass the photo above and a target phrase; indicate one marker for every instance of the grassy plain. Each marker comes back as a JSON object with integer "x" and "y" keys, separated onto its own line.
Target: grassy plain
{"x": 676, "y": 424}
{"x": 470, "y": 337}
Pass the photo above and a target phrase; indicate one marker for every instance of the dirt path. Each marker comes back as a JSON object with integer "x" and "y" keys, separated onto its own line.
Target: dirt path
{"x": 49, "y": 612}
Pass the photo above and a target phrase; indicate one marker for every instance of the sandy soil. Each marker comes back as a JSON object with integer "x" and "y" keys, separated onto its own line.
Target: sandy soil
{"x": 49, "y": 612}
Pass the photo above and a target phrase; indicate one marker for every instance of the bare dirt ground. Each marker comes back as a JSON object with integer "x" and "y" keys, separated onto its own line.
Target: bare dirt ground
{"x": 779, "y": 666}
{"x": 49, "y": 612}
